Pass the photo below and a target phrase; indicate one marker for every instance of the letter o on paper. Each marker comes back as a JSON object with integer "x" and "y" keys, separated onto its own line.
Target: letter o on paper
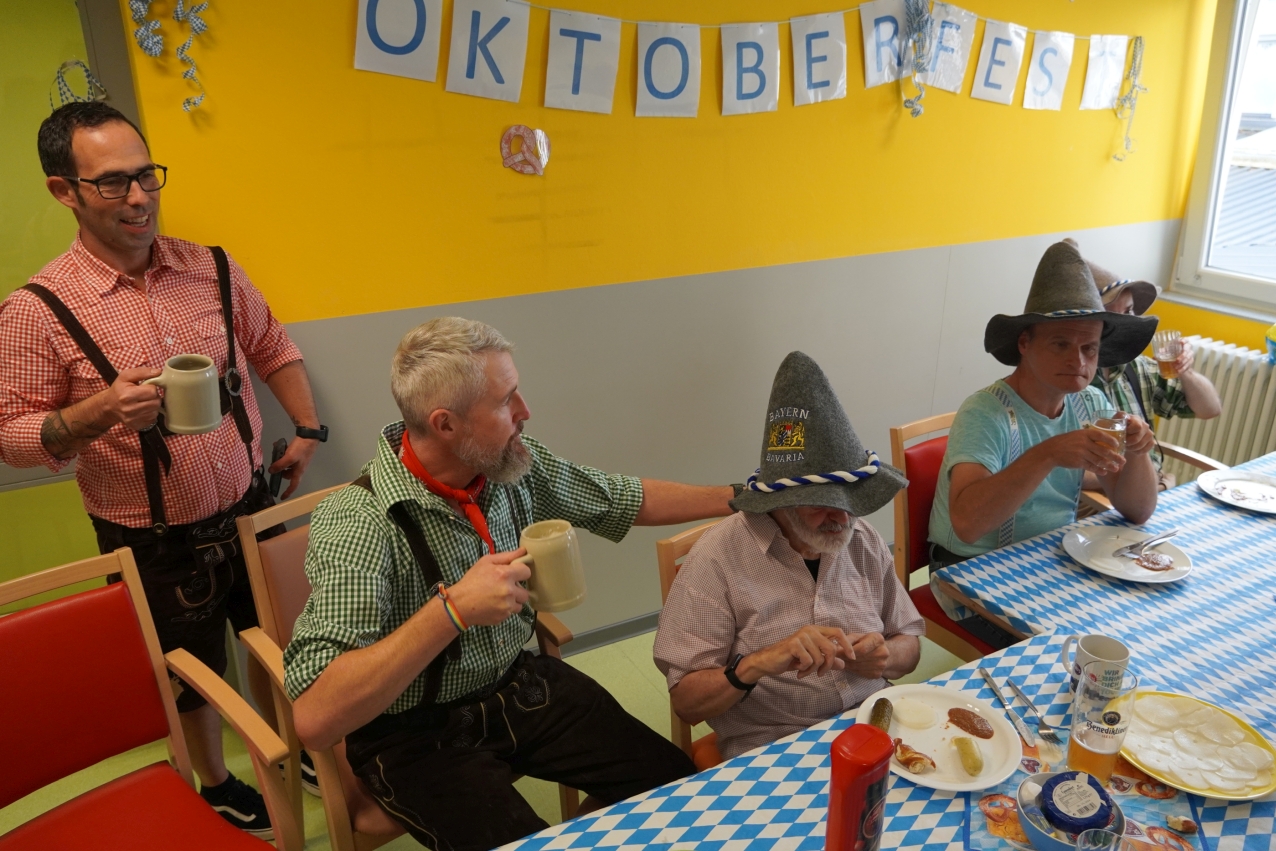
{"x": 651, "y": 55}
{"x": 418, "y": 34}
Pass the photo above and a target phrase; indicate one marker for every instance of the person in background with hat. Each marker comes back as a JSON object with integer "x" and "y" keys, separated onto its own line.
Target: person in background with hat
{"x": 1137, "y": 387}
{"x": 1017, "y": 449}
{"x": 790, "y": 612}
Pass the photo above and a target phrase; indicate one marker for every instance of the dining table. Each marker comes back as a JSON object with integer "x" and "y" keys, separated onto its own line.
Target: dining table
{"x": 775, "y": 797}
{"x": 1211, "y": 635}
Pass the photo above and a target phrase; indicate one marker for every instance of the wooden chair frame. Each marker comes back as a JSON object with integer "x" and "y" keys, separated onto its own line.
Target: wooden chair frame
{"x": 669, "y": 552}
{"x": 330, "y": 765}
{"x": 265, "y": 749}
{"x": 900, "y": 436}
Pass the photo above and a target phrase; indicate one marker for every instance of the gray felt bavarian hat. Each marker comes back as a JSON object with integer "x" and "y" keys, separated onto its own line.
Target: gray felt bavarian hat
{"x": 807, "y": 434}
{"x": 1063, "y": 289}
{"x": 1110, "y": 286}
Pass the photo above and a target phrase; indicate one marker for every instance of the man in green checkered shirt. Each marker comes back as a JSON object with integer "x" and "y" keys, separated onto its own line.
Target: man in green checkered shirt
{"x": 1137, "y": 387}
{"x": 417, "y": 660}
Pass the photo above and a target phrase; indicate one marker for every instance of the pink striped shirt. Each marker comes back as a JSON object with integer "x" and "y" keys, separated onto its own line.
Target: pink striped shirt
{"x": 743, "y": 587}
{"x": 42, "y": 370}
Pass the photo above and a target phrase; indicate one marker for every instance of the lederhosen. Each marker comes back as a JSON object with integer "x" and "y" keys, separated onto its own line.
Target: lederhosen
{"x": 188, "y": 570}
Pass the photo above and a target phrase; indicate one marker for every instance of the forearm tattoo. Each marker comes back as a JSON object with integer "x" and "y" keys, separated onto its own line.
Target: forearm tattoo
{"x": 63, "y": 439}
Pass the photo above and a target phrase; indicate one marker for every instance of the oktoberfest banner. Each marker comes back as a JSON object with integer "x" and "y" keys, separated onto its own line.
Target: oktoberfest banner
{"x": 488, "y": 52}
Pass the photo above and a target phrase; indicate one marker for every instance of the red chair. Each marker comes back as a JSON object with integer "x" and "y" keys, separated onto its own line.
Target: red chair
{"x": 921, "y": 463}
{"x": 82, "y": 679}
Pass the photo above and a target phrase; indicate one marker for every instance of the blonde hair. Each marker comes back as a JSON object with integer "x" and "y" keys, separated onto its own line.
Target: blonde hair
{"x": 440, "y": 364}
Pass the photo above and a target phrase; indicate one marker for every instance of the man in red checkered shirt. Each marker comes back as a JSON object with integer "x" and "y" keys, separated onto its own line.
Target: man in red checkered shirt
{"x": 143, "y": 298}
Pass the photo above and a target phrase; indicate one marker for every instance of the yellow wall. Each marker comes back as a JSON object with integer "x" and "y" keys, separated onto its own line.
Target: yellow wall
{"x": 1207, "y": 323}
{"x": 348, "y": 192}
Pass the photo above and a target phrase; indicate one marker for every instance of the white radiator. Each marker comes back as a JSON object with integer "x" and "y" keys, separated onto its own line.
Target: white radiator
{"x": 1246, "y": 429}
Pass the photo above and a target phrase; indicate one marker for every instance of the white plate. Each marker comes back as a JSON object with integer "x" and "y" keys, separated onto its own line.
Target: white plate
{"x": 1251, "y": 491}
{"x": 1001, "y": 753}
{"x": 1092, "y": 547}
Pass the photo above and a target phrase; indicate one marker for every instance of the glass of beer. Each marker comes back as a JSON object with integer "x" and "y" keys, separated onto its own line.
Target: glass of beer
{"x": 1101, "y": 713}
{"x": 1166, "y": 348}
{"x": 1112, "y": 422}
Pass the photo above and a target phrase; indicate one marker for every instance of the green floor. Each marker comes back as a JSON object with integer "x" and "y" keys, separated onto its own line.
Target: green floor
{"x": 624, "y": 668}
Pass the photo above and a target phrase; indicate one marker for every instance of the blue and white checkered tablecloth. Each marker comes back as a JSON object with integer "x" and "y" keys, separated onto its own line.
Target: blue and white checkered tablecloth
{"x": 775, "y": 798}
{"x": 1211, "y": 635}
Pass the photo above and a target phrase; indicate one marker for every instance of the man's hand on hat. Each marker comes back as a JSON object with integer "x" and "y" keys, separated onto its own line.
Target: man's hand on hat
{"x": 491, "y": 591}
{"x": 811, "y": 650}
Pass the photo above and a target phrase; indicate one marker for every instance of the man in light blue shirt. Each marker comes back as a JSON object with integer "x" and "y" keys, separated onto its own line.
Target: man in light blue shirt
{"x": 1017, "y": 449}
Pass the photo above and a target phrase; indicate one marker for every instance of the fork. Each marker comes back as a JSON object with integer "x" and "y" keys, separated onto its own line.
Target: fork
{"x": 1044, "y": 730}
{"x": 1137, "y": 548}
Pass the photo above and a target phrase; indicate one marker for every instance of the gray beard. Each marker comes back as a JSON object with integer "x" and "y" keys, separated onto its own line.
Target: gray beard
{"x": 828, "y": 539}
{"x": 507, "y": 463}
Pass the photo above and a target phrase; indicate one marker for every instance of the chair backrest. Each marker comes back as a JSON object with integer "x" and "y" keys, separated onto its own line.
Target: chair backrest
{"x": 920, "y": 464}
{"x": 276, "y": 566}
{"x": 82, "y": 677}
{"x": 671, "y": 551}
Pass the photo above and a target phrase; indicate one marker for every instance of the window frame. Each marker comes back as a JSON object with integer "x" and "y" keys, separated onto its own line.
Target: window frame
{"x": 1233, "y": 28}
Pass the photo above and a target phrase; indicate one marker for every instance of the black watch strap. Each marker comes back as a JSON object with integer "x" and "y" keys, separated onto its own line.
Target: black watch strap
{"x": 735, "y": 681}
{"x": 320, "y": 434}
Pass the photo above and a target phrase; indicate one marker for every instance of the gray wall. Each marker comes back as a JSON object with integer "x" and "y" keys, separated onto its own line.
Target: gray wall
{"x": 670, "y": 378}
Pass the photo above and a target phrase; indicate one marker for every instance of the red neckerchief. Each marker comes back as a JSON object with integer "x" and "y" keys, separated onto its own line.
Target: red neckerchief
{"x": 465, "y": 497}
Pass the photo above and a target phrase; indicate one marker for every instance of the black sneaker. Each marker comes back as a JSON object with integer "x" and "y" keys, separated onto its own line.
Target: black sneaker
{"x": 241, "y": 805}
{"x": 309, "y": 779}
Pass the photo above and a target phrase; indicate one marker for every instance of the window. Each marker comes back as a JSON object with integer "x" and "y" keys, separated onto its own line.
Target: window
{"x": 1228, "y": 247}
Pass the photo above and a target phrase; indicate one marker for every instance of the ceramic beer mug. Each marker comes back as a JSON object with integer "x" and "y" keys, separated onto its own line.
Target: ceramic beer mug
{"x": 191, "y": 404}
{"x": 553, "y": 554}
{"x": 1092, "y": 648}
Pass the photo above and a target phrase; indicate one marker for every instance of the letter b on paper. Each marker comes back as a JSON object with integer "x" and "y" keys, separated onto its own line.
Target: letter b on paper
{"x": 399, "y": 37}
{"x": 750, "y": 68}
{"x": 584, "y": 55}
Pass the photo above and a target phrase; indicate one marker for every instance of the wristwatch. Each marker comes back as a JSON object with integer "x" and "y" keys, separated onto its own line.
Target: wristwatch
{"x": 320, "y": 434}
{"x": 736, "y": 681}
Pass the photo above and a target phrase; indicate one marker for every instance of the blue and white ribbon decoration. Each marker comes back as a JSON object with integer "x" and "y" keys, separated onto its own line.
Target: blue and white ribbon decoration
{"x": 151, "y": 42}
{"x": 839, "y": 477}
{"x": 66, "y": 95}
{"x": 919, "y": 27}
{"x": 198, "y": 26}
{"x": 1112, "y": 286}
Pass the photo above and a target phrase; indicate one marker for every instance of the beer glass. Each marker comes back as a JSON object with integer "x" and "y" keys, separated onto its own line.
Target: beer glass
{"x": 1101, "y": 713}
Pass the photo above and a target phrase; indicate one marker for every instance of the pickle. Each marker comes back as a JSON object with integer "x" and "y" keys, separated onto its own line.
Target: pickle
{"x": 881, "y": 717}
{"x": 971, "y": 759}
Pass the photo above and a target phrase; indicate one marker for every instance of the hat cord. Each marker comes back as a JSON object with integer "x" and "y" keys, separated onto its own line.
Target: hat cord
{"x": 839, "y": 477}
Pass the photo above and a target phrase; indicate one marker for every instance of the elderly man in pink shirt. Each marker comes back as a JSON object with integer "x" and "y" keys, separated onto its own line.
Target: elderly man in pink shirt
{"x": 790, "y": 612}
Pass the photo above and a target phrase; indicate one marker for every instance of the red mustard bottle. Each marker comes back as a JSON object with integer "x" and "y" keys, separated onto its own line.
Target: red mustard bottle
{"x": 857, "y": 792}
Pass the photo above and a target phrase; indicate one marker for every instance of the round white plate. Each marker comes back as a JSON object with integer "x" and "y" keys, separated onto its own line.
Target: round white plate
{"x": 1251, "y": 491}
{"x": 1092, "y": 547}
{"x": 1001, "y": 753}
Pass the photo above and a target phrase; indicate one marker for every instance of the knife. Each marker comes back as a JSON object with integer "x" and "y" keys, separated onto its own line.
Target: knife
{"x": 1020, "y": 727}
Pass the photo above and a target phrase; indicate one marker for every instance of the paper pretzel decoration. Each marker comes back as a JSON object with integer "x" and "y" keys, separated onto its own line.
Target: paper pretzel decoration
{"x": 532, "y": 157}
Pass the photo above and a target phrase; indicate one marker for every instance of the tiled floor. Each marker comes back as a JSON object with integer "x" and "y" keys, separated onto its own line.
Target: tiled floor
{"x": 624, "y": 668}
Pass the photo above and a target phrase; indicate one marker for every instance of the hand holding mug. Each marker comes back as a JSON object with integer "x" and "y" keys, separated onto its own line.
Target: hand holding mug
{"x": 132, "y": 403}
{"x": 492, "y": 589}
{"x": 1139, "y": 438}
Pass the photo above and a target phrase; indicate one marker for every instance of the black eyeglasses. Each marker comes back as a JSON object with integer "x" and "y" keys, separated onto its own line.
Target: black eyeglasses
{"x": 151, "y": 179}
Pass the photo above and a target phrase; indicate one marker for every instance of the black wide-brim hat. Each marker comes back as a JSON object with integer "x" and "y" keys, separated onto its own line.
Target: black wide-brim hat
{"x": 1063, "y": 290}
{"x": 806, "y": 433}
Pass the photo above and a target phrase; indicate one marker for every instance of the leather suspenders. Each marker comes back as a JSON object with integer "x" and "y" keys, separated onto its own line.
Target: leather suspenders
{"x": 155, "y": 452}
{"x": 430, "y": 571}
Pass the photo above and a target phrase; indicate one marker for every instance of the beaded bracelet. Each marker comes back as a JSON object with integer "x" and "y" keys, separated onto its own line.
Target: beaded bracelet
{"x": 453, "y": 613}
